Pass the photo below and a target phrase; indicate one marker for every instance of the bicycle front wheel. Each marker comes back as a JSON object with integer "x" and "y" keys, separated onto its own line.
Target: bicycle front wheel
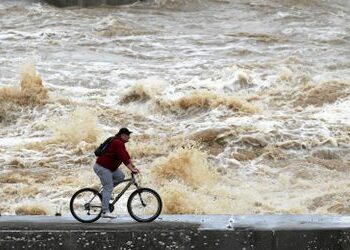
{"x": 86, "y": 205}
{"x": 144, "y": 205}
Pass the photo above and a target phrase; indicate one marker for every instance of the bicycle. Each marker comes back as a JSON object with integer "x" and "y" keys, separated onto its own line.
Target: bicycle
{"x": 86, "y": 204}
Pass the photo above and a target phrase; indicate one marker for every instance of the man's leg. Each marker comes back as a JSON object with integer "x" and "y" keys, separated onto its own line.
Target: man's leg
{"x": 106, "y": 178}
{"x": 118, "y": 176}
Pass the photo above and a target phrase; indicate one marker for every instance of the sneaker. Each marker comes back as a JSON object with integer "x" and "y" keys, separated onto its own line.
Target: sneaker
{"x": 108, "y": 215}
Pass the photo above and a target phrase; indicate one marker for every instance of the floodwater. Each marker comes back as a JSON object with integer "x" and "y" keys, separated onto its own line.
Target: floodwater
{"x": 237, "y": 106}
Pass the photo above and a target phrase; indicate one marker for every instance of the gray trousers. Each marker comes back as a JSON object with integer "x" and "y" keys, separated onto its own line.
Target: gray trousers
{"x": 109, "y": 180}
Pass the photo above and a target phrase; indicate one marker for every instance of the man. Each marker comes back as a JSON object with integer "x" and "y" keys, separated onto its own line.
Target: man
{"x": 106, "y": 167}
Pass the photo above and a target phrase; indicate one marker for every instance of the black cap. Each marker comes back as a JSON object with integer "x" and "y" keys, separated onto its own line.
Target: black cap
{"x": 124, "y": 131}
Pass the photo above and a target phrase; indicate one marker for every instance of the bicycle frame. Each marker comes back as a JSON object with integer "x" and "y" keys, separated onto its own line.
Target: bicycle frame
{"x": 131, "y": 182}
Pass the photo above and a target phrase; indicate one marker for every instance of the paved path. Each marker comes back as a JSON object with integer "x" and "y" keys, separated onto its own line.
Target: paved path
{"x": 202, "y": 222}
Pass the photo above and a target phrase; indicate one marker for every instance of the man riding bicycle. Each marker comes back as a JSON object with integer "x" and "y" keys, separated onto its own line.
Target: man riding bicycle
{"x": 107, "y": 167}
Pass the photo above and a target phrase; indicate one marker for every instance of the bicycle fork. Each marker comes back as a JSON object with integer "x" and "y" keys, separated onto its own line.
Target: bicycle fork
{"x": 139, "y": 193}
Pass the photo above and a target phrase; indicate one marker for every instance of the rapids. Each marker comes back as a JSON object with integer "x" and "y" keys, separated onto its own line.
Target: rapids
{"x": 237, "y": 106}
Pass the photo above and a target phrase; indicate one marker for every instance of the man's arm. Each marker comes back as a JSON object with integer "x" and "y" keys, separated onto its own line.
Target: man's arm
{"x": 125, "y": 157}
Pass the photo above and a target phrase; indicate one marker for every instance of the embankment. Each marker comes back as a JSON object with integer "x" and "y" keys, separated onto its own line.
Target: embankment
{"x": 285, "y": 232}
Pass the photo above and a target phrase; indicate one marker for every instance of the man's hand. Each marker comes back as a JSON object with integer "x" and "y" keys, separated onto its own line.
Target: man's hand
{"x": 133, "y": 169}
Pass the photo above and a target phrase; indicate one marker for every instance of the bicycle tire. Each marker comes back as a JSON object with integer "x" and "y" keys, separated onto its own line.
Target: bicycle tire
{"x": 139, "y": 191}
{"x": 73, "y": 210}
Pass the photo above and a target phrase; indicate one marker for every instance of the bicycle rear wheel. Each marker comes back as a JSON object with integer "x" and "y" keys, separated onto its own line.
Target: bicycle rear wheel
{"x": 144, "y": 205}
{"x": 86, "y": 205}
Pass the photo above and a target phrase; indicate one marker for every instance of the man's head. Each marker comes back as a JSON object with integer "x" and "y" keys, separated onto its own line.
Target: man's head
{"x": 124, "y": 134}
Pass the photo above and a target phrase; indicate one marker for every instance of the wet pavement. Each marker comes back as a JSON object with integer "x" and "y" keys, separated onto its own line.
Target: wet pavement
{"x": 203, "y": 222}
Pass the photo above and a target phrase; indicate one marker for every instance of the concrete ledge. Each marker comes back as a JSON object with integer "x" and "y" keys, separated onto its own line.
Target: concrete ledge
{"x": 178, "y": 232}
{"x": 87, "y": 3}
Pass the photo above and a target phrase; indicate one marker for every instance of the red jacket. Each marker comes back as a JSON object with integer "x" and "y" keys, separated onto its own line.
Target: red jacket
{"x": 114, "y": 155}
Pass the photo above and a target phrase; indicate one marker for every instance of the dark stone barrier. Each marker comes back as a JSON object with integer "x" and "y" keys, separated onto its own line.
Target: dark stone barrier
{"x": 55, "y": 233}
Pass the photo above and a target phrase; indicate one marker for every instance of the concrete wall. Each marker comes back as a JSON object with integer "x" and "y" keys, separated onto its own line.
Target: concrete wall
{"x": 175, "y": 238}
{"x": 206, "y": 232}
